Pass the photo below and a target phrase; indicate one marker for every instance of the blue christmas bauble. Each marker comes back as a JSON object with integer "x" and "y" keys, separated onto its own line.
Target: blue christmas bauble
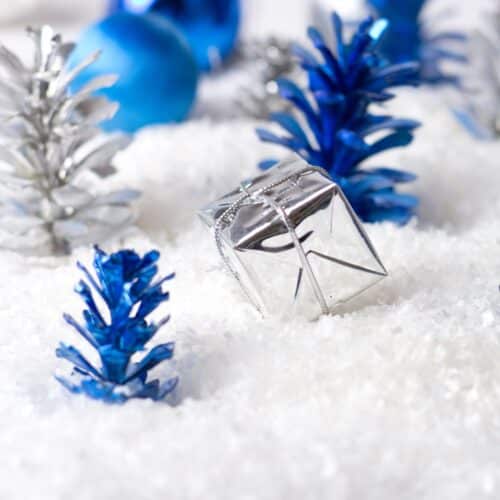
{"x": 157, "y": 72}
{"x": 210, "y": 26}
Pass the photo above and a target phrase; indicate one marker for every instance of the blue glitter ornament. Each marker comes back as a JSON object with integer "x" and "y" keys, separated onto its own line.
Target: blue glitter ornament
{"x": 343, "y": 86}
{"x": 125, "y": 285}
{"x": 157, "y": 70}
{"x": 210, "y": 26}
{"x": 409, "y": 40}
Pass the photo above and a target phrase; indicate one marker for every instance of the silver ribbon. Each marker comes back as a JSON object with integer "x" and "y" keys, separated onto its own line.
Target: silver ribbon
{"x": 260, "y": 196}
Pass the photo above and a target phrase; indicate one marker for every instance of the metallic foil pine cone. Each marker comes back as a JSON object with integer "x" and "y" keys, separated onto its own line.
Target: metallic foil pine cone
{"x": 293, "y": 242}
{"x": 264, "y": 62}
{"x": 53, "y": 153}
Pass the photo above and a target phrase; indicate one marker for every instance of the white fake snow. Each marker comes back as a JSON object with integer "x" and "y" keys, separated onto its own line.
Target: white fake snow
{"x": 397, "y": 398}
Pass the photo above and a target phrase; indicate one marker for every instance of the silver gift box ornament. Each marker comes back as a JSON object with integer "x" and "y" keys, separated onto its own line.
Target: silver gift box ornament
{"x": 293, "y": 242}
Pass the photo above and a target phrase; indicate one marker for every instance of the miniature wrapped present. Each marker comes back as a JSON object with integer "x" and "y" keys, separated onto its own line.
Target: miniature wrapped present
{"x": 293, "y": 242}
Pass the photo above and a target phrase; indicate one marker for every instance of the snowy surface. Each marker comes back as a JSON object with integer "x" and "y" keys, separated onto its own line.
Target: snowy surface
{"x": 396, "y": 398}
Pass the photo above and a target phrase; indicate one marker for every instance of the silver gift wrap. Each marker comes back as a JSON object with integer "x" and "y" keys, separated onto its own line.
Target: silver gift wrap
{"x": 293, "y": 242}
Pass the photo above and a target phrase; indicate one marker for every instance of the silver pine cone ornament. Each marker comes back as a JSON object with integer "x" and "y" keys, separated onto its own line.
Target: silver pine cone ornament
{"x": 481, "y": 112}
{"x": 265, "y": 61}
{"x": 52, "y": 153}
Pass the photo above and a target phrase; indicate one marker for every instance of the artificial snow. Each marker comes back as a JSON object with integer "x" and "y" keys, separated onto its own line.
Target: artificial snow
{"x": 395, "y": 398}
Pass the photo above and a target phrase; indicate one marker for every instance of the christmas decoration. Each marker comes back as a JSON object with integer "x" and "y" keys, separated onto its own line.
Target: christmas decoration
{"x": 265, "y": 61}
{"x": 408, "y": 40}
{"x": 210, "y": 26}
{"x": 293, "y": 242}
{"x": 157, "y": 70}
{"x": 343, "y": 88}
{"x": 52, "y": 153}
{"x": 125, "y": 284}
{"x": 481, "y": 112}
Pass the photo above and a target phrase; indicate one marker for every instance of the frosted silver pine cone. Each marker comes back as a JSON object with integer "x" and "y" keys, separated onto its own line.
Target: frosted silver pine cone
{"x": 265, "y": 61}
{"x": 52, "y": 153}
{"x": 481, "y": 115}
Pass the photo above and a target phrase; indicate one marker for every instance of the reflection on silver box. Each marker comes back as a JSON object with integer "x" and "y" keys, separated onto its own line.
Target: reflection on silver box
{"x": 291, "y": 239}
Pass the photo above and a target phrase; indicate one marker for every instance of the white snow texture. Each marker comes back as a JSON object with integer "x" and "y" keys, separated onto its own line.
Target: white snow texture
{"x": 396, "y": 398}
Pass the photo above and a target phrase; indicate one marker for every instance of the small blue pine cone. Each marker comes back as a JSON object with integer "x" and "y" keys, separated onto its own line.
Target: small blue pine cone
{"x": 125, "y": 284}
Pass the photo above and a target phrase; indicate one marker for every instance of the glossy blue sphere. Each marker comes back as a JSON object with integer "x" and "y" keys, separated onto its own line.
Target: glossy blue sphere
{"x": 210, "y": 26}
{"x": 157, "y": 72}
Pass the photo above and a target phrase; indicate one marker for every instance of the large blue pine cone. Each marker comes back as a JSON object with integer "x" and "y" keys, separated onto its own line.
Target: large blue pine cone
{"x": 157, "y": 70}
{"x": 210, "y": 26}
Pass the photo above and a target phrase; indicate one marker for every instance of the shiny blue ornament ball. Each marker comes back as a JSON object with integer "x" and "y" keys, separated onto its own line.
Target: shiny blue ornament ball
{"x": 210, "y": 26}
{"x": 157, "y": 72}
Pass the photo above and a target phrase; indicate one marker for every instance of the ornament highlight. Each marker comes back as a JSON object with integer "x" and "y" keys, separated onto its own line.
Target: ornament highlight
{"x": 53, "y": 153}
{"x": 293, "y": 242}
{"x": 338, "y": 120}
{"x": 210, "y": 26}
{"x": 128, "y": 286}
{"x": 157, "y": 73}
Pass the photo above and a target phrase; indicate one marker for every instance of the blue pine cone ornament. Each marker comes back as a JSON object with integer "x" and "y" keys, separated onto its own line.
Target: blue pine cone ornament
{"x": 127, "y": 286}
{"x": 338, "y": 121}
{"x": 409, "y": 40}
